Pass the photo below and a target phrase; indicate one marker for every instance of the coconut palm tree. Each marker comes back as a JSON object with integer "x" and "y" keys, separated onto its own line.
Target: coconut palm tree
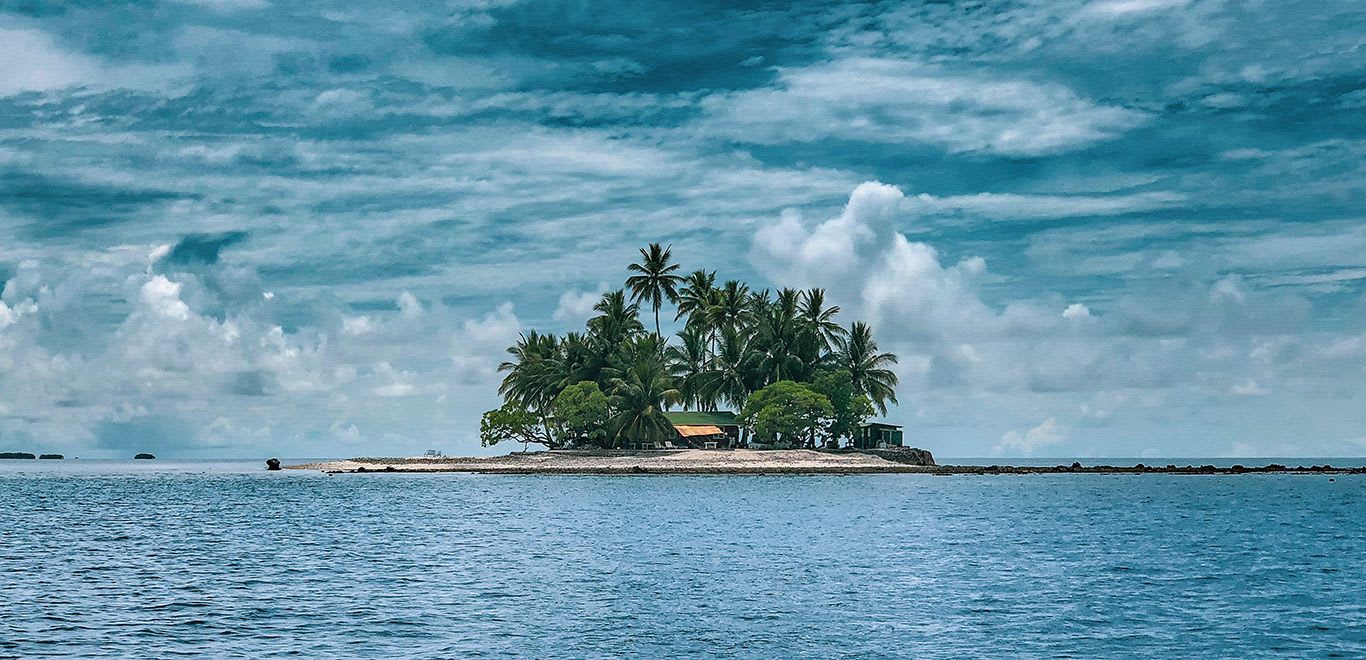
{"x": 820, "y": 319}
{"x": 730, "y": 378}
{"x": 784, "y": 348}
{"x": 534, "y": 375}
{"x": 696, "y": 296}
{"x": 730, "y": 309}
{"x": 858, "y": 353}
{"x": 688, "y": 364}
{"x": 655, "y": 280}
{"x": 639, "y": 396}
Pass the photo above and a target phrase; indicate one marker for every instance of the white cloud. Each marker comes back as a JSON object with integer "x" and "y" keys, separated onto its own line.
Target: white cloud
{"x": 480, "y": 344}
{"x": 576, "y": 307}
{"x": 409, "y": 305}
{"x": 1045, "y": 434}
{"x": 162, "y": 297}
{"x": 1249, "y": 387}
{"x": 358, "y": 325}
{"x": 11, "y": 315}
{"x": 895, "y": 101}
{"x": 35, "y": 62}
{"x": 1076, "y": 312}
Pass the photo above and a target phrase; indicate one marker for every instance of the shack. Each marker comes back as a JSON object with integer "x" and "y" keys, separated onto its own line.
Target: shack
{"x": 876, "y": 434}
{"x": 701, "y": 429}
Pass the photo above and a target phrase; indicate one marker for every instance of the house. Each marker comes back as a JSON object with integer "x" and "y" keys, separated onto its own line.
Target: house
{"x": 698, "y": 429}
{"x": 876, "y": 434}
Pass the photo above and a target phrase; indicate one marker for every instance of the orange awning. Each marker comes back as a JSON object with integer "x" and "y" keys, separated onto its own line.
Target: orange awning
{"x": 689, "y": 431}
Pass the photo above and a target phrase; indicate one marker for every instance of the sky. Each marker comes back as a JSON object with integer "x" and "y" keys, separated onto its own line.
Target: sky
{"x": 1117, "y": 228}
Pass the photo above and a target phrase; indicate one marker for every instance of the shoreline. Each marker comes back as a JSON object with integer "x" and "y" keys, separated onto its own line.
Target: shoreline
{"x": 759, "y": 462}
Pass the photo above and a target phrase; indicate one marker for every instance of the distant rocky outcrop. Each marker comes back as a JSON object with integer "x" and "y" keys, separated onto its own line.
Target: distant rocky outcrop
{"x": 144, "y": 457}
{"x": 905, "y": 455}
{"x": 52, "y": 457}
{"x": 16, "y": 455}
{"x": 272, "y": 464}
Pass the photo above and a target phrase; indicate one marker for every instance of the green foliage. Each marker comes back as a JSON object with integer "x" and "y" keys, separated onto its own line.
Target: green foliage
{"x": 786, "y": 412}
{"x": 850, "y": 407}
{"x": 639, "y": 395}
{"x": 733, "y": 344}
{"x": 582, "y": 412}
{"x": 515, "y": 423}
{"x": 655, "y": 281}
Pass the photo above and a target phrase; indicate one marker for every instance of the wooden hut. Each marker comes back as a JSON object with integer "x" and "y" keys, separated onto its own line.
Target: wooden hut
{"x": 876, "y": 434}
{"x": 705, "y": 429}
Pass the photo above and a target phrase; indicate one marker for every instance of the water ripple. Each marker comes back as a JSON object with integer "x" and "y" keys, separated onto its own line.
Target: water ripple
{"x": 161, "y": 564}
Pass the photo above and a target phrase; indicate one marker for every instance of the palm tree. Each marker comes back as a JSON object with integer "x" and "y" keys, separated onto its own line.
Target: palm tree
{"x": 820, "y": 319}
{"x": 731, "y": 308}
{"x": 696, "y": 296}
{"x": 655, "y": 281}
{"x": 638, "y": 397}
{"x": 858, "y": 353}
{"x": 534, "y": 375}
{"x": 617, "y": 322}
{"x": 688, "y": 363}
{"x": 779, "y": 343}
{"x": 730, "y": 378}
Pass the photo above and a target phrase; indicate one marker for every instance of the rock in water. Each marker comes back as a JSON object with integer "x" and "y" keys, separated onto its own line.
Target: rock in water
{"x": 272, "y": 464}
{"x": 52, "y": 457}
{"x": 144, "y": 457}
{"x": 16, "y": 455}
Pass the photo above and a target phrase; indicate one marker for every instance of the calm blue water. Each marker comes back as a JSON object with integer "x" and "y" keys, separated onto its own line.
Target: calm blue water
{"x": 224, "y": 559}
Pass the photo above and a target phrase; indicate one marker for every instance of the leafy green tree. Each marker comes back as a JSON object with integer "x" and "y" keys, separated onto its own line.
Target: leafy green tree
{"x": 582, "y": 412}
{"x": 655, "y": 281}
{"x": 850, "y": 408}
{"x": 513, "y": 422}
{"x": 867, "y": 366}
{"x": 786, "y": 412}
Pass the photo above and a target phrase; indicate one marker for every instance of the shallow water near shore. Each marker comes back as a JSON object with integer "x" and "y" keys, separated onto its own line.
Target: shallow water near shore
{"x": 221, "y": 558}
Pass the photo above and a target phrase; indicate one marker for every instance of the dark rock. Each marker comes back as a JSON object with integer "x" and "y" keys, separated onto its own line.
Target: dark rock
{"x": 272, "y": 463}
{"x": 361, "y": 469}
{"x": 904, "y": 455}
{"x": 16, "y": 455}
{"x": 144, "y": 457}
{"x": 52, "y": 457}
{"x": 388, "y": 468}
{"x": 1076, "y": 465}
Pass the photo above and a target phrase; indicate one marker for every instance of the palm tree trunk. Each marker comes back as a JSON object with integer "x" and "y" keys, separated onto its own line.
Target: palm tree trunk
{"x": 657, "y": 334}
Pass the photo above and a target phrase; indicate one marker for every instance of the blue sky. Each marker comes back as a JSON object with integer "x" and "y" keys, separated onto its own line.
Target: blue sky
{"x": 1107, "y": 228}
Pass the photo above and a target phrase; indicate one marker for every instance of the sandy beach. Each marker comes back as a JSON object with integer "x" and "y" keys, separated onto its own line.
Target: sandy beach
{"x": 681, "y": 461}
{"x": 744, "y": 461}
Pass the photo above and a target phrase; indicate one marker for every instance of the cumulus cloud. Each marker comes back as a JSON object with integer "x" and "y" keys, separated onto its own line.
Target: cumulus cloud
{"x": 479, "y": 346}
{"x": 1046, "y": 434}
{"x": 576, "y": 307}
{"x": 896, "y": 101}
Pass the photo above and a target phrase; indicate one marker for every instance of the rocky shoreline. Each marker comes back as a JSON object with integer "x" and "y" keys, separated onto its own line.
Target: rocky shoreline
{"x": 795, "y": 461}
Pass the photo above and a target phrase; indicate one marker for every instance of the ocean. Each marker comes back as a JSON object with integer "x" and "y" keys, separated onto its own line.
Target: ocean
{"x": 223, "y": 559}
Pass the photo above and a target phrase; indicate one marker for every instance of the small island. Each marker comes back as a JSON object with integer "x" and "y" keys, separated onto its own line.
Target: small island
{"x": 144, "y": 457}
{"x": 754, "y": 382}
{"x": 748, "y": 369}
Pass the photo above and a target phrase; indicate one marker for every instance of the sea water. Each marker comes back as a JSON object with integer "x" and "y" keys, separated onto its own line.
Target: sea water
{"x": 156, "y": 559}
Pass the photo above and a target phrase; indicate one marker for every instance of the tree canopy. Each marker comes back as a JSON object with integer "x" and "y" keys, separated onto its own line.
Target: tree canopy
{"x": 781, "y": 358}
